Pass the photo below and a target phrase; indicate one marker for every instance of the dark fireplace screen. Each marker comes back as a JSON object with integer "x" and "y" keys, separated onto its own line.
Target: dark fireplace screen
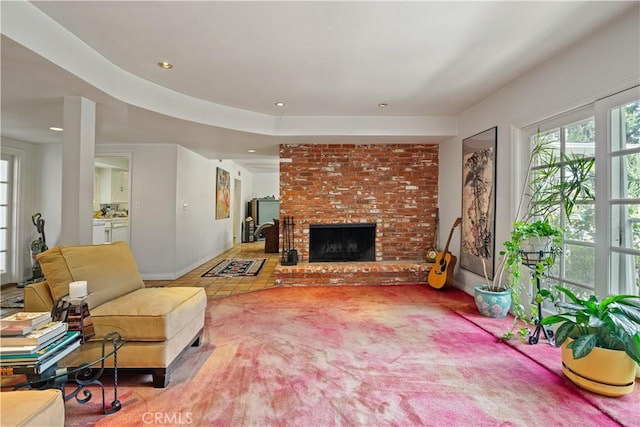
{"x": 342, "y": 242}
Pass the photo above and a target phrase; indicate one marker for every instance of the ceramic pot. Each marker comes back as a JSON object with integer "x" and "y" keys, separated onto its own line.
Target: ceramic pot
{"x": 603, "y": 371}
{"x": 492, "y": 304}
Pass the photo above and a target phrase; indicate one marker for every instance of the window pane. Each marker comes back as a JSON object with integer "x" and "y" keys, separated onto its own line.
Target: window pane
{"x": 579, "y": 264}
{"x": 626, "y": 173}
{"x": 580, "y": 138}
{"x": 625, "y": 226}
{"x": 3, "y": 216}
{"x": 625, "y": 126}
{"x": 582, "y": 225}
{"x": 3, "y": 193}
{"x": 549, "y": 143}
{"x": 4, "y": 170}
{"x": 3, "y": 262}
{"x": 625, "y": 274}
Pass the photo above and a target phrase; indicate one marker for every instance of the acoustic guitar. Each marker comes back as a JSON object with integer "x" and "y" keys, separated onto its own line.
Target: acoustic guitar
{"x": 441, "y": 274}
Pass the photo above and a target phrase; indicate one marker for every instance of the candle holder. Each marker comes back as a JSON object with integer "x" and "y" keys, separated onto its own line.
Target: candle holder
{"x": 75, "y": 312}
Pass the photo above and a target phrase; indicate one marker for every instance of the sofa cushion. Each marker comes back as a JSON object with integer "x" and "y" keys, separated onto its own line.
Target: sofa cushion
{"x": 150, "y": 314}
{"x": 32, "y": 408}
{"x": 110, "y": 270}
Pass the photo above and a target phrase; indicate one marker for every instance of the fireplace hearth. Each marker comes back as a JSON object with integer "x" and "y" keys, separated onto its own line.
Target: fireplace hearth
{"x": 342, "y": 242}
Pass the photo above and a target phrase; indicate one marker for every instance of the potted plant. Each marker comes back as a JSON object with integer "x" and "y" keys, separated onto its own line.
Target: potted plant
{"x": 600, "y": 341}
{"x": 544, "y": 192}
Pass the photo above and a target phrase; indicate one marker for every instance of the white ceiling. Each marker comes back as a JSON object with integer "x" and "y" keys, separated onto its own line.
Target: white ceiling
{"x": 332, "y": 63}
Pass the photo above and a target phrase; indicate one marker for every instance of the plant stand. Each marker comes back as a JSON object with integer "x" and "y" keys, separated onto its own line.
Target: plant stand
{"x": 531, "y": 259}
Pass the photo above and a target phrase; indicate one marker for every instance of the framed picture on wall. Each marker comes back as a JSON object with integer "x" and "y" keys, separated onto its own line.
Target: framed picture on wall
{"x": 477, "y": 251}
{"x": 223, "y": 194}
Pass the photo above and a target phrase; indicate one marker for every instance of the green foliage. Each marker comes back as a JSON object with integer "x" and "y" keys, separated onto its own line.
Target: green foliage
{"x": 611, "y": 323}
{"x": 551, "y": 184}
{"x": 558, "y": 182}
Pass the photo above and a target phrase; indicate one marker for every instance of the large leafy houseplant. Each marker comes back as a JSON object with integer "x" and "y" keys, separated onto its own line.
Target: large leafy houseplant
{"x": 599, "y": 339}
{"x": 551, "y": 183}
{"x": 612, "y": 323}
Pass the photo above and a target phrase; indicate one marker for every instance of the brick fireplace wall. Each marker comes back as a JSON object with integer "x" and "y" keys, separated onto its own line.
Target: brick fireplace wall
{"x": 392, "y": 185}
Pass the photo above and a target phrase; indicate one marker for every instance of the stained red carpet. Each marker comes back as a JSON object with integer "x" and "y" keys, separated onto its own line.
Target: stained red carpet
{"x": 357, "y": 356}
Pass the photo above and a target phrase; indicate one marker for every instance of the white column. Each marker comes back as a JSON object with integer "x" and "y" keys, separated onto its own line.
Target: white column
{"x": 78, "y": 153}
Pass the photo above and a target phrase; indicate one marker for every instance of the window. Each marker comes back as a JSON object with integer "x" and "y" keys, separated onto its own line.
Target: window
{"x": 6, "y": 213}
{"x": 572, "y": 138}
{"x": 601, "y": 246}
{"x": 624, "y": 203}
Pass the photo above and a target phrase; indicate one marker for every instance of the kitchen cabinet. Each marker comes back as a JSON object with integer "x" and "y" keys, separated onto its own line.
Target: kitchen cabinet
{"x": 98, "y": 232}
{"x": 111, "y": 186}
{"x": 119, "y": 186}
{"x": 120, "y": 230}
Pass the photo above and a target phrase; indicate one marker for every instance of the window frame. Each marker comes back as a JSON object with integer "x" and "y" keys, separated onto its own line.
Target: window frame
{"x": 606, "y": 250}
{"x": 603, "y": 247}
{"x": 561, "y": 122}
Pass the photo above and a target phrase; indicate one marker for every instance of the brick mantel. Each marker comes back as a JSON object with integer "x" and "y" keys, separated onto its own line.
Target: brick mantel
{"x": 392, "y": 185}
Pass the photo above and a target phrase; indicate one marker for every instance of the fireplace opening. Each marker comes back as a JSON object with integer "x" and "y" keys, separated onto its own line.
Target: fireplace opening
{"x": 342, "y": 242}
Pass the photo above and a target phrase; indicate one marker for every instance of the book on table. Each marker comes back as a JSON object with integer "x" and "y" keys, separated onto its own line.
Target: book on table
{"x": 26, "y": 318}
{"x": 47, "y": 360}
{"x": 49, "y": 350}
{"x": 18, "y": 330}
{"x": 24, "y": 349}
{"x": 38, "y": 336}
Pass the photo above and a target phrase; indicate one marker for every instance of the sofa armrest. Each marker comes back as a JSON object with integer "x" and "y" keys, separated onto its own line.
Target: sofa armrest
{"x": 37, "y": 297}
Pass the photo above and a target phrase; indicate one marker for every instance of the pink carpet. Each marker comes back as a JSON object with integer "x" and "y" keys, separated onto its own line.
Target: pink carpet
{"x": 359, "y": 356}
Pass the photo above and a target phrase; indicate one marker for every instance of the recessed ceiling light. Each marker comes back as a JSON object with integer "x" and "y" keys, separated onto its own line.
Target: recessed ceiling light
{"x": 280, "y": 104}
{"x": 251, "y": 150}
{"x": 57, "y": 129}
{"x": 165, "y": 65}
{"x": 383, "y": 104}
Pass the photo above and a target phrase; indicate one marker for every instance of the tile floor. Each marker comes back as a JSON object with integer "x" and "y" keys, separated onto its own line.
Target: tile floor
{"x": 217, "y": 287}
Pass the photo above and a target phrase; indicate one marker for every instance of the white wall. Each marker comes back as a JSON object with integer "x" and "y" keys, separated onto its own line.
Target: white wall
{"x": 152, "y": 212}
{"x": 199, "y": 235}
{"x": 265, "y": 184}
{"x": 601, "y": 65}
{"x": 167, "y": 241}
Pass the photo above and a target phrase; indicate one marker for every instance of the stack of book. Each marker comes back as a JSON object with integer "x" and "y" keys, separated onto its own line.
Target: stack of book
{"x": 30, "y": 343}
{"x": 20, "y": 324}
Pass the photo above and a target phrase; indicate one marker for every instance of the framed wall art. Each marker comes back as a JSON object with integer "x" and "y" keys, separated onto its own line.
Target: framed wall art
{"x": 477, "y": 251}
{"x": 223, "y": 194}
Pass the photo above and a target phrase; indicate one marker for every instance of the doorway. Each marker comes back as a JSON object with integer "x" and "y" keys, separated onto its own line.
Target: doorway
{"x": 111, "y": 199}
{"x": 237, "y": 209}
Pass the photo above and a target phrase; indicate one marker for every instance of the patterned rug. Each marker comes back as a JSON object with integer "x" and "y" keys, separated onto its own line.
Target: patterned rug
{"x": 236, "y": 267}
{"x": 13, "y": 302}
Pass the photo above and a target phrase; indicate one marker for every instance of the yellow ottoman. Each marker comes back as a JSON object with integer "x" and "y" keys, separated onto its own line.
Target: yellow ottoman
{"x": 32, "y": 408}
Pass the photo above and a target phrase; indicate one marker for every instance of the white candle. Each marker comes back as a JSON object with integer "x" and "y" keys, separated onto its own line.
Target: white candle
{"x": 78, "y": 289}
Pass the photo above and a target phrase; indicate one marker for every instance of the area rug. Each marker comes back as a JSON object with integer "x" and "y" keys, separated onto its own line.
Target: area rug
{"x": 13, "y": 302}
{"x": 236, "y": 267}
{"x": 355, "y": 356}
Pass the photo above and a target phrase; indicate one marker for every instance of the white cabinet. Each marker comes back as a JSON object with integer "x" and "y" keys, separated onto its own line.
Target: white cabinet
{"x": 119, "y": 186}
{"x": 111, "y": 185}
{"x": 98, "y": 232}
{"x": 120, "y": 230}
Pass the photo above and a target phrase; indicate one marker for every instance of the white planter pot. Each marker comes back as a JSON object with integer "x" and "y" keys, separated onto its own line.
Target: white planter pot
{"x": 536, "y": 244}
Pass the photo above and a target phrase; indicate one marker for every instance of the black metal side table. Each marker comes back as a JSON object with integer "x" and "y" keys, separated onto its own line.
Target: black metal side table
{"x": 85, "y": 375}
{"x": 531, "y": 260}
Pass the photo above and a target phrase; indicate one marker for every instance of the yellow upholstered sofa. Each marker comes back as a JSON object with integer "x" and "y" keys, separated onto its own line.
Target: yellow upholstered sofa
{"x": 157, "y": 323}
